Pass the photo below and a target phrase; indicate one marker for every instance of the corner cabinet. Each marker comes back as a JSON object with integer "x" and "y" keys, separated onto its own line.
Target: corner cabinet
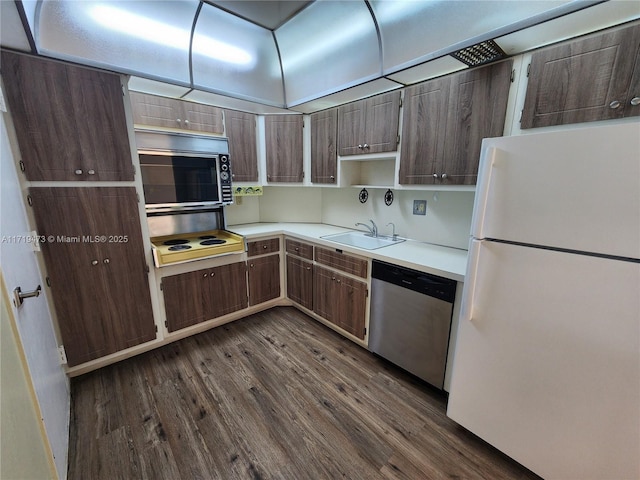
{"x": 69, "y": 121}
{"x": 324, "y": 155}
{"x": 597, "y": 78}
{"x": 370, "y": 125}
{"x": 96, "y": 267}
{"x": 263, "y": 270}
{"x": 154, "y": 111}
{"x": 284, "y": 148}
{"x": 445, "y": 120}
{"x": 194, "y": 297}
{"x": 241, "y": 132}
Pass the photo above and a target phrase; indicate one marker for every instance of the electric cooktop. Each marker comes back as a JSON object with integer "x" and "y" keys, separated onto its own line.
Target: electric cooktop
{"x": 193, "y": 246}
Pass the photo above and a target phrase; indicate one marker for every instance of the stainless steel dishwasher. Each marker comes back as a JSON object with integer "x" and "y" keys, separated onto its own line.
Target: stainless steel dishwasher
{"x": 410, "y": 319}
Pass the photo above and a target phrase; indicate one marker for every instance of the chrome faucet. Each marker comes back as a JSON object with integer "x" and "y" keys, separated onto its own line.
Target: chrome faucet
{"x": 373, "y": 229}
{"x": 394, "y": 235}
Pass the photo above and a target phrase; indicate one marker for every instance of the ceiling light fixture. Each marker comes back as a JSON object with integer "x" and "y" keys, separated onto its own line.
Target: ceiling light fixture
{"x": 161, "y": 33}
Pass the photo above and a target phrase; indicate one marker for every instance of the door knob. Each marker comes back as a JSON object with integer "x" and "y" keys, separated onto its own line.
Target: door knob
{"x": 19, "y": 295}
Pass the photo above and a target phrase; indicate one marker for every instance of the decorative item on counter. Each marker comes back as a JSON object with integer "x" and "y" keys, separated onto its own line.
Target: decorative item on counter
{"x": 388, "y": 197}
{"x": 363, "y": 195}
{"x": 247, "y": 191}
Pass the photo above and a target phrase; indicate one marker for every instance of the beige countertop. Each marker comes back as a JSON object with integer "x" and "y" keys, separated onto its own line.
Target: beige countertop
{"x": 435, "y": 259}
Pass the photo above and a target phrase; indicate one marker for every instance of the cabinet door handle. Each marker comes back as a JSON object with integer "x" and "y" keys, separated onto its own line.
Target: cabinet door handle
{"x": 366, "y": 145}
{"x": 204, "y": 275}
{"x": 94, "y": 262}
{"x": 78, "y": 172}
{"x": 186, "y": 122}
{"x": 332, "y": 178}
{"x": 106, "y": 261}
{"x": 435, "y": 175}
{"x": 615, "y": 104}
{"x": 297, "y": 249}
{"x": 360, "y": 146}
{"x": 178, "y": 120}
{"x": 251, "y": 265}
{"x": 308, "y": 268}
{"x": 339, "y": 281}
{"x": 91, "y": 172}
{"x": 443, "y": 176}
{"x": 635, "y": 101}
{"x": 264, "y": 247}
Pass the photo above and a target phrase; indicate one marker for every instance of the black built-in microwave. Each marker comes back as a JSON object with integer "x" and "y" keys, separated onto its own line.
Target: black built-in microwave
{"x": 184, "y": 172}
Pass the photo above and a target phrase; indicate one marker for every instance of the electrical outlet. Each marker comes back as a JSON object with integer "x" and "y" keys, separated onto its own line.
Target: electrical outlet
{"x": 419, "y": 207}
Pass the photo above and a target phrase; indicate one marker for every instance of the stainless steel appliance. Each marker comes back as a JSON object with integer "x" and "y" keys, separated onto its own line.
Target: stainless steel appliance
{"x": 410, "y": 319}
{"x": 184, "y": 172}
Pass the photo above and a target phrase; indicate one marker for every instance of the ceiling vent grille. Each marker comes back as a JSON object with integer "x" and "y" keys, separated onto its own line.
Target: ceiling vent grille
{"x": 480, "y": 53}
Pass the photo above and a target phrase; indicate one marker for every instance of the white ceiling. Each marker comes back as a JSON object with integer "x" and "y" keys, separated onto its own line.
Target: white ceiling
{"x": 297, "y": 56}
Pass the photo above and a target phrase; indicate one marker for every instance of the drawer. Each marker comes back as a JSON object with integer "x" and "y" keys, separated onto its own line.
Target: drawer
{"x": 342, "y": 261}
{"x": 300, "y": 249}
{"x": 261, "y": 247}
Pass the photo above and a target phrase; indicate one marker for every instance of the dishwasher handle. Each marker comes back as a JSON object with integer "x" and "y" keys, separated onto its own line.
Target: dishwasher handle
{"x": 421, "y": 282}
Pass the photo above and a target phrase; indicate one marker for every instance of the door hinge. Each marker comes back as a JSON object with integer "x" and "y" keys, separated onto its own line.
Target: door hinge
{"x": 366, "y": 293}
{"x": 63, "y": 355}
{"x": 138, "y": 197}
{"x": 400, "y": 101}
{"x": 161, "y": 286}
{"x": 21, "y": 163}
{"x": 528, "y": 70}
{"x": 398, "y": 140}
{"x": 365, "y": 332}
{"x": 520, "y": 119}
{"x": 513, "y": 75}
{"x": 30, "y": 200}
{"x": 146, "y": 267}
{"x": 156, "y": 328}
{"x": 122, "y": 87}
{"x": 166, "y": 323}
{"x": 48, "y": 282}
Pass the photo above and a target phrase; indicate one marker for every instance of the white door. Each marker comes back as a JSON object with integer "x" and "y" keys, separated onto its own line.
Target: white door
{"x": 575, "y": 189}
{"x": 547, "y": 360}
{"x": 20, "y": 269}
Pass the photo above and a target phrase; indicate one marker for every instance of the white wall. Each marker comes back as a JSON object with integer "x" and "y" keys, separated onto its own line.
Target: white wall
{"x": 447, "y": 220}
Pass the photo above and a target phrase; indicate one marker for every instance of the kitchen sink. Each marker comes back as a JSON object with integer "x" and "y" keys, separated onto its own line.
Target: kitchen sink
{"x": 362, "y": 240}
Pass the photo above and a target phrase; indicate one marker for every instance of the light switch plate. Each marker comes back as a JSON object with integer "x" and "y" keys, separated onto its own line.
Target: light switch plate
{"x": 419, "y": 207}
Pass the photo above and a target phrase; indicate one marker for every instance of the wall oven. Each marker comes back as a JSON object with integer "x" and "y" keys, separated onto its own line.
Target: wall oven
{"x": 184, "y": 172}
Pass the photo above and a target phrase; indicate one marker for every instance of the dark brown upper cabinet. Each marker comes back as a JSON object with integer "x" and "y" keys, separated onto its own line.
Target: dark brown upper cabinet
{"x": 284, "y": 148}
{"x": 596, "y": 78}
{"x": 324, "y": 155}
{"x": 97, "y": 269}
{"x": 70, "y": 121}
{"x": 241, "y": 132}
{"x": 369, "y": 125}
{"x": 154, "y": 111}
{"x": 445, "y": 120}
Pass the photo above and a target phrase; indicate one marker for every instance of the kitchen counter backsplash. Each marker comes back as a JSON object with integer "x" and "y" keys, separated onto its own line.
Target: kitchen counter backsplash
{"x": 447, "y": 219}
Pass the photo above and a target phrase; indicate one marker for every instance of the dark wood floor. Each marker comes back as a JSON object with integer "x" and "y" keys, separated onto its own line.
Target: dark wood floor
{"x": 275, "y": 395}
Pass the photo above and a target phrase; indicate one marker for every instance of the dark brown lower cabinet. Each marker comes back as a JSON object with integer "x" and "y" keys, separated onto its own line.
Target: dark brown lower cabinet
{"x": 264, "y": 279}
{"x": 193, "y": 297}
{"x": 300, "y": 281}
{"x": 96, "y": 267}
{"x": 340, "y": 300}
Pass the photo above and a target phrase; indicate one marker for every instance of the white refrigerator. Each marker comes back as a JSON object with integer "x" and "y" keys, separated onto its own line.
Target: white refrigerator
{"x": 547, "y": 359}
